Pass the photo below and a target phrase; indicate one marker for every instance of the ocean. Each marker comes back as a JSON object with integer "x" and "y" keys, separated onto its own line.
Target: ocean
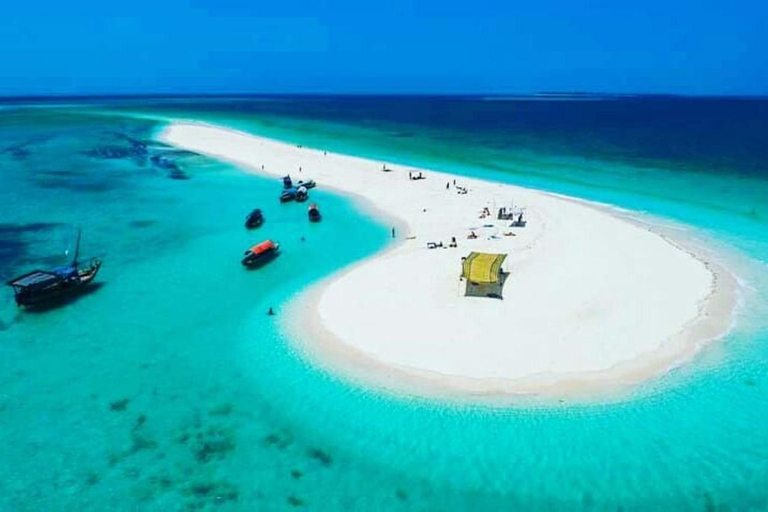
{"x": 168, "y": 387}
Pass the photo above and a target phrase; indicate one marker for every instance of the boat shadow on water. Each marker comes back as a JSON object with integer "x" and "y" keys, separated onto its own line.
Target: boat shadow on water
{"x": 64, "y": 300}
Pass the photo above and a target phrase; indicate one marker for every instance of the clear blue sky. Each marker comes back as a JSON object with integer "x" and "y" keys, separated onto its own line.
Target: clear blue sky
{"x": 394, "y": 46}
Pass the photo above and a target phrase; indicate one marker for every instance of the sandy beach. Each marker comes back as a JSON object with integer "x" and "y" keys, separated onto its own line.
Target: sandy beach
{"x": 595, "y": 299}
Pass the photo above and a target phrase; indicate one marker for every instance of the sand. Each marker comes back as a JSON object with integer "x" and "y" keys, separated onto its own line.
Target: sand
{"x": 595, "y": 298}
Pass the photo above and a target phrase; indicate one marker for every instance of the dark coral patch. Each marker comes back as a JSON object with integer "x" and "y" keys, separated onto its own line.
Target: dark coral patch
{"x": 213, "y": 444}
{"x": 320, "y": 456}
{"x": 140, "y": 421}
{"x": 279, "y": 440}
{"x": 141, "y": 224}
{"x": 92, "y": 478}
{"x": 295, "y": 502}
{"x": 141, "y": 442}
{"x": 221, "y": 410}
{"x": 213, "y": 491}
{"x": 119, "y": 405}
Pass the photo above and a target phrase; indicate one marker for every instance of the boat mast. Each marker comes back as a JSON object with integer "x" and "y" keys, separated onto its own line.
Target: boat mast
{"x": 77, "y": 248}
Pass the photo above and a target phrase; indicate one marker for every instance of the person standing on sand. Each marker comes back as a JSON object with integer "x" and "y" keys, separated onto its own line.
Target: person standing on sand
{"x": 393, "y": 232}
{"x": 447, "y": 185}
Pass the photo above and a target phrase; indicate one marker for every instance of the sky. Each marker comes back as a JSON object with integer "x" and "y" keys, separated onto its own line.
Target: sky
{"x": 395, "y": 46}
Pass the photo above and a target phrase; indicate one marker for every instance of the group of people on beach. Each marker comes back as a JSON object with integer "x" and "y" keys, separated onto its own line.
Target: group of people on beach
{"x": 459, "y": 188}
{"x": 486, "y": 211}
{"x": 439, "y": 245}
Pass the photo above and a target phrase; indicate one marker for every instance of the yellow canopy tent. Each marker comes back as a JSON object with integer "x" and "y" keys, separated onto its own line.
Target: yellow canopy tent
{"x": 482, "y": 268}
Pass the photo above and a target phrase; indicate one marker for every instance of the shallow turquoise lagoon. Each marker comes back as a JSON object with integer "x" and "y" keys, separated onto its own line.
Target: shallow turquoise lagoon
{"x": 169, "y": 388}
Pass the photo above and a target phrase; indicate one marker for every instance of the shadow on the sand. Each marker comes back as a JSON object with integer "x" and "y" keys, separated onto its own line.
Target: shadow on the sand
{"x": 490, "y": 290}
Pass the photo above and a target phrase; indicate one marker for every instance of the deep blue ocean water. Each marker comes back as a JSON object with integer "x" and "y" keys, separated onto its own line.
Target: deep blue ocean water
{"x": 168, "y": 388}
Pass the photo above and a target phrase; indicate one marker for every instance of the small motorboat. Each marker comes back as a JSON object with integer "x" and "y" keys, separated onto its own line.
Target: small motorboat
{"x": 287, "y": 182}
{"x": 260, "y": 254}
{"x": 44, "y": 286}
{"x": 288, "y": 194}
{"x": 301, "y": 194}
{"x": 306, "y": 184}
{"x": 254, "y": 219}
{"x": 313, "y": 213}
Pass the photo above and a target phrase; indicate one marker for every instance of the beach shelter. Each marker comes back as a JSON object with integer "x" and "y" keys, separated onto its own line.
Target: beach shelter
{"x": 483, "y": 274}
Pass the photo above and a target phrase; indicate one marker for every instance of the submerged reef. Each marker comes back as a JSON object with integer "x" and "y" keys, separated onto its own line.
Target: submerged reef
{"x": 21, "y": 150}
{"x": 124, "y": 147}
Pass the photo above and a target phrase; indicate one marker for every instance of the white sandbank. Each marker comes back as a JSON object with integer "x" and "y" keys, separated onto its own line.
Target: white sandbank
{"x": 594, "y": 299}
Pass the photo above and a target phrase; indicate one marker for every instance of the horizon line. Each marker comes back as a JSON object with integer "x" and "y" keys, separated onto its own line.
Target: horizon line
{"x": 554, "y": 94}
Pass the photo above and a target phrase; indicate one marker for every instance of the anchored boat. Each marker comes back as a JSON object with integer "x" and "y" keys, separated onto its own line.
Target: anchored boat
{"x": 254, "y": 219}
{"x": 289, "y": 194}
{"x": 301, "y": 195}
{"x": 260, "y": 254}
{"x": 45, "y": 286}
{"x": 306, "y": 184}
{"x": 314, "y": 213}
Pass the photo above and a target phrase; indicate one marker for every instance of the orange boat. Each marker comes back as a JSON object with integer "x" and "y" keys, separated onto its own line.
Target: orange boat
{"x": 260, "y": 254}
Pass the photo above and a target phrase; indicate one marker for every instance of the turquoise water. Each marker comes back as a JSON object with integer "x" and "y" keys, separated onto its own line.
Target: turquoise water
{"x": 169, "y": 388}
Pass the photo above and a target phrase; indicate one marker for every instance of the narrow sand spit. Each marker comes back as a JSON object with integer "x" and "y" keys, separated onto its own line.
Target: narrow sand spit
{"x": 593, "y": 300}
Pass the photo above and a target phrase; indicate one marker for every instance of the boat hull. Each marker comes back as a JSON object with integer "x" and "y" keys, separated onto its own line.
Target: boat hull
{"x": 252, "y": 261}
{"x": 260, "y": 254}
